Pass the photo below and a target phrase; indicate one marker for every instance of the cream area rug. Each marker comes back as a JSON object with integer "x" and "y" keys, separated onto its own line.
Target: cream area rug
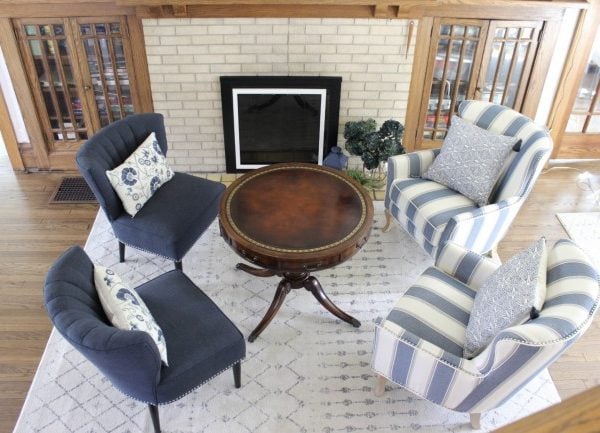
{"x": 307, "y": 372}
{"x": 584, "y": 229}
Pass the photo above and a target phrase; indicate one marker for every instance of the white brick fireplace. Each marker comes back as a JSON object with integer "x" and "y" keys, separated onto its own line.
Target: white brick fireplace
{"x": 186, "y": 57}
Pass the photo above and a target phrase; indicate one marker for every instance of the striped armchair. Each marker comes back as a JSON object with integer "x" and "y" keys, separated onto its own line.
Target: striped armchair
{"x": 419, "y": 345}
{"x": 433, "y": 214}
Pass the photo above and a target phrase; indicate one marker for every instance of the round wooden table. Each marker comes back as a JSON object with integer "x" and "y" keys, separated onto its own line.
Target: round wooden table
{"x": 292, "y": 219}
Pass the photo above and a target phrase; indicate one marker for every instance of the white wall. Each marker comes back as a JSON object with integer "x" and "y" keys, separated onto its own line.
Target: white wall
{"x": 187, "y": 56}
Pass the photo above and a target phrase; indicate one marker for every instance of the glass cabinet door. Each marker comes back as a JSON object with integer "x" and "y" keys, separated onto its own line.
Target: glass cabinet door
{"x": 456, "y": 47}
{"x": 105, "y": 57}
{"x": 52, "y": 70}
{"x": 508, "y": 58}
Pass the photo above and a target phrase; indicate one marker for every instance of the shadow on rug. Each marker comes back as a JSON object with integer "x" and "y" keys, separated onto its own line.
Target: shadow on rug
{"x": 307, "y": 372}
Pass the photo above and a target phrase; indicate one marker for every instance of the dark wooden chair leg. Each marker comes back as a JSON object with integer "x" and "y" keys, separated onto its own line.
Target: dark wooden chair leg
{"x": 154, "y": 416}
{"x": 179, "y": 265}
{"x": 121, "y": 252}
{"x": 237, "y": 374}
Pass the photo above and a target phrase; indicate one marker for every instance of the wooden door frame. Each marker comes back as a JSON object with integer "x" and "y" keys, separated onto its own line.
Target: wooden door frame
{"x": 573, "y": 71}
{"x": 9, "y": 137}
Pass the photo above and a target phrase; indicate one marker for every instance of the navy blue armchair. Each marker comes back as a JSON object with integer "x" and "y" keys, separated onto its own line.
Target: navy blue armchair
{"x": 174, "y": 217}
{"x": 201, "y": 340}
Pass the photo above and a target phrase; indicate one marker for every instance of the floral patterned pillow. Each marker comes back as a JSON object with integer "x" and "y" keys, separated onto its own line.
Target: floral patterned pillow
{"x": 125, "y": 308}
{"x": 140, "y": 175}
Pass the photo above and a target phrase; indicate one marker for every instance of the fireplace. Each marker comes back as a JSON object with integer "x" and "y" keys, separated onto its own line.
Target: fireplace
{"x": 274, "y": 119}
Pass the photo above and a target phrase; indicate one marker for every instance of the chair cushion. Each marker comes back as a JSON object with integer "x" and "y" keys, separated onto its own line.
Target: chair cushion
{"x": 470, "y": 160}
{"x": 202, "y": 340}
{"x": 125, "y": 308}
{"x": 428, "y": 206}
{"x": 140, "y": 175}
{"x": 436, "y": 309}
{"x": 173, "y": 219}
{"x": 507, "y": 296}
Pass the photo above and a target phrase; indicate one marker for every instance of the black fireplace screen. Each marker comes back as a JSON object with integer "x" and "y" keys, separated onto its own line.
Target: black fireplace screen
{"x": 278, "y": 119}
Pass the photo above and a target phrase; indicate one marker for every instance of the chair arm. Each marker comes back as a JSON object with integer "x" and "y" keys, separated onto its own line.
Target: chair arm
{"x": 408, "y": 165}
{"x": 465, "y": 265}
{"x": 480, "y": 230}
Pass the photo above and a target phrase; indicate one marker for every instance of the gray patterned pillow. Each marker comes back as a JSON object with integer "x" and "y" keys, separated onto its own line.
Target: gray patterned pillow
{"x": 470, "y": 160}
{"x": 507, "y": 296}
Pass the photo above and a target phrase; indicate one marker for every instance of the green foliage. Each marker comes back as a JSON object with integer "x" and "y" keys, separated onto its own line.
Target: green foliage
{"x": 373, "y": 146}
{"x": 364, "y": 179}
{"x": 355, "y": 133}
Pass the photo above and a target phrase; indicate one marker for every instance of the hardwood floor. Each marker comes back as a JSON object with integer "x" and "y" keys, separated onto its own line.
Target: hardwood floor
{"x": 34, "y": 233}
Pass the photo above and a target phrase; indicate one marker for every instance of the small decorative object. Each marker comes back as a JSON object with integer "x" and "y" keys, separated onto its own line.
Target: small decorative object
{"x": 374, "y": 147}
{"x": 336, "y": 159}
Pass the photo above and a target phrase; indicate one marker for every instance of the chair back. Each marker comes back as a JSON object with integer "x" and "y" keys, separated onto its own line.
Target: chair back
{"x": 129, "y": 359}
{"x": 520, "y": 352}
{"x": 536, "y": 145}
{"x": 109, "y": 147}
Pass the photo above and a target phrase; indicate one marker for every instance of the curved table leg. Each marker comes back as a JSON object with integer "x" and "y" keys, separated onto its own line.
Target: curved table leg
{"x": 255, "y": 271}
{"x": 283, "y": 289}
{"x": 312, "y": 284}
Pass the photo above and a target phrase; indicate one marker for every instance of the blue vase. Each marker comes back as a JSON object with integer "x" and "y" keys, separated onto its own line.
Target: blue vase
{"x": 336, "y": 159}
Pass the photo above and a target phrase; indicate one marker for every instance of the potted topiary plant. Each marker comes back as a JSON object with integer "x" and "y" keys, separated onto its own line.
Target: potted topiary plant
{"x": 374, "y": 146}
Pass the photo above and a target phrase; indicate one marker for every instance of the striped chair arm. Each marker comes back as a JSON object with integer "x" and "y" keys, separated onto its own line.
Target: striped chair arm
{"x": 481, "y": 229}
{"x": 407, "y": 165}
{"x": 465, "y": 265}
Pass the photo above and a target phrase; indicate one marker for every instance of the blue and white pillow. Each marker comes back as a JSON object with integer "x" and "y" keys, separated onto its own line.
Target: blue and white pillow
{"x": 507, "y": 296}
{"x": 125, "y": 308}
{"x": 140, "y": 175}
{"x": 471, "y": 160}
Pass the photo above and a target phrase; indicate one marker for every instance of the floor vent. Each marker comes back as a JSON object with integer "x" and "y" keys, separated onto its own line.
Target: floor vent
{"x": 73, "y": 190}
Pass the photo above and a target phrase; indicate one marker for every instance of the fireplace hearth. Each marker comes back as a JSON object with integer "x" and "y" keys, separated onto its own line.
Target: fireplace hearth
{"x": 274, "y": 119}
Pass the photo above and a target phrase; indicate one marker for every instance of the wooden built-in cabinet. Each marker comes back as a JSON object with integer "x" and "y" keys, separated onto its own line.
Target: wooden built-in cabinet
{"x": 80, "y": 72}
{"x": 490, "y": 60}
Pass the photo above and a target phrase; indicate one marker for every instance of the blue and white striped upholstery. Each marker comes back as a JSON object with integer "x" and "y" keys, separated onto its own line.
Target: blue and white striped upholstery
{"x": 419, "y": 344}
{"x": 434, "y": 214}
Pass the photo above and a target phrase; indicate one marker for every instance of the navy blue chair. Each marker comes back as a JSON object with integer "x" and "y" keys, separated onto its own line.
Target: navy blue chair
{"x": 201, "y": 340}
{"x": 174, "y": 217}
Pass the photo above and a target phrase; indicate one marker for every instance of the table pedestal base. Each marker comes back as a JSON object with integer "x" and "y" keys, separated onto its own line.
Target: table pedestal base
{"x": 289, "y": 281}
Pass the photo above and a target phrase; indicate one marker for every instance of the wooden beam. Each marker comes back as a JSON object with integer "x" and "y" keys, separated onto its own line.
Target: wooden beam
{"x": 63, "y": 10}
{"x": 9, "y": 137}
{"x": 141, "y": 73}
{"x": 16, "y": 69}
{"x": 180, "y": 10}
{"x": 578, "y": 414}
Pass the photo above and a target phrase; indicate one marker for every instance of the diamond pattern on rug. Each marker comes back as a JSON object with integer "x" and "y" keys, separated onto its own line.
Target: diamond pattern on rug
{"x": 308, "y": 372}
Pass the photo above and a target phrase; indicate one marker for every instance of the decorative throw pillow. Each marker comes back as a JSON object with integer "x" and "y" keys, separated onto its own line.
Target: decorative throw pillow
{"x": 140, "y": 175}
{"x": 125, "y": 308}
{"x": 470, "y": 160}
{"x": 507, "y": 296}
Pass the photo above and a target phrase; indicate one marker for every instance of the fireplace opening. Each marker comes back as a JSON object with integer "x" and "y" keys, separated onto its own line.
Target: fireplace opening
{"x": 267, "y": 120}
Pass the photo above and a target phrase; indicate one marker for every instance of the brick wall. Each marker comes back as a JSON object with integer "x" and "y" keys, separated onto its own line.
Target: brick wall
{"x": 187, "y": 56}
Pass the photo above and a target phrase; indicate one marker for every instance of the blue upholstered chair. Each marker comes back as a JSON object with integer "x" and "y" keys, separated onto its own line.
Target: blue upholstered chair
{"x": 433, "y": 214}
{"x": 201, "y": 341}
{"x": 174, "y": 217}
{"x": 419, "y": 345}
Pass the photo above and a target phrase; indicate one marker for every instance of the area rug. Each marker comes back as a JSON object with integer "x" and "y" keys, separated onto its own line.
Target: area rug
{"x": 307, "y": 372}
{"x": 584, "y": 229}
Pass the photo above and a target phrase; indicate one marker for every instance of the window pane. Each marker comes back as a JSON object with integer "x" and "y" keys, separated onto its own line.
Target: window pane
{"x": 445, "y": 30}
{"x": 458, "y": 30}
{"x": 594, "y": 125}
{"x": 85, "y": 29}
{"x": 115, "y": 28}
{"x": 44, "y": 30}
{"x": 500, "y": 32}
{"x": 59, "y": 30}
{"x": 472, "y": 31}
{"x": 30, "y": 30}
{"x": 576, "y": 122}
{"x": 100, "y": 29}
